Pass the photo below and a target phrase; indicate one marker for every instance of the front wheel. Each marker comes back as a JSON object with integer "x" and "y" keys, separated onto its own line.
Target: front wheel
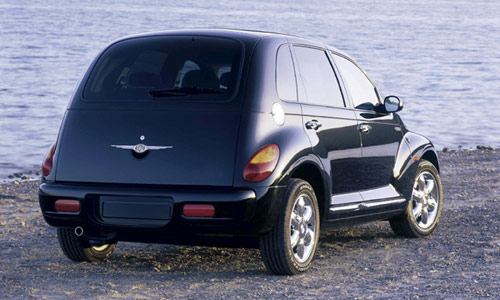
{"x": 424, "y": 208}
{"x": 78, "y": 248}
{"x": 290, "y": 246}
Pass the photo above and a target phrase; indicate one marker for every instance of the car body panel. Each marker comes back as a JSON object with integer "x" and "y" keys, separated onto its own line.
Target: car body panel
{"x": 379, "y": 148}
{"x": 202, "y": 145}
{"x": 356, "y": 178}
{"x": 238, "y": 211}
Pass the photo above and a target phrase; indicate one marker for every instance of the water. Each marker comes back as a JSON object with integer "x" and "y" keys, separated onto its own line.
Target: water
{"x": 441, "y": 57}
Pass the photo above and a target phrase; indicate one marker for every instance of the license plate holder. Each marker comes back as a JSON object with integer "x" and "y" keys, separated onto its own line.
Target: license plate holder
{"x": 136, "y": 210}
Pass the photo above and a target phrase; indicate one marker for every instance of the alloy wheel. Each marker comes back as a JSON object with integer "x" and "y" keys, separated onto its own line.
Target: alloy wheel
{"x": 100, "y": 248}
{"x": 424, "y": 204}
{"x": 302, "y": 228}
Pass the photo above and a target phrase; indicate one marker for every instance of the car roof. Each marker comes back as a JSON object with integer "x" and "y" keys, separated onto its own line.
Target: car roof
{"x": 234, "y": 33}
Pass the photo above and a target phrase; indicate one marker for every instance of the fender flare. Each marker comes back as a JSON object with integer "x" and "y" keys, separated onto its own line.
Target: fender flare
{"x": 414, "y": 148}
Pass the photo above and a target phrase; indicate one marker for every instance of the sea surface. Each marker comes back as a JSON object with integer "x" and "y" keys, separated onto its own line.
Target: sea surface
{"x": 442, "y": 58}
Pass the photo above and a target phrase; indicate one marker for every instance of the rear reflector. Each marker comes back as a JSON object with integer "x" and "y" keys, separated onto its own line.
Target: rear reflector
{"x": 198, "y": 210}
{"x": 67, "y": 205}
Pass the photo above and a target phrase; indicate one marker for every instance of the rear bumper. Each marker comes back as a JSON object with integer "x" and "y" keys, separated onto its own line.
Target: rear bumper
{"x": 238, "y": 212}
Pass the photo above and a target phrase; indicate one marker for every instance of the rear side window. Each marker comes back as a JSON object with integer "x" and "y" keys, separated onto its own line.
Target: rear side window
{"x": 318, "y": 77}
{"x": 360, "y": 87}
{"x": 286, "y": 85}
{"x": 181, "y": 67}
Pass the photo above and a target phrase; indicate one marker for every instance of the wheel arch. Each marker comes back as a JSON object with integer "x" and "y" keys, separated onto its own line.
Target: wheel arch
{"x": 312, "y": 172}
{"x": 431, "y": 156}
{"x": 414, "y": 148}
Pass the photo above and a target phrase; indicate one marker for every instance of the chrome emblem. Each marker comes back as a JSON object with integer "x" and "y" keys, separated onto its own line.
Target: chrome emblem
{"x": 141, "y": 148}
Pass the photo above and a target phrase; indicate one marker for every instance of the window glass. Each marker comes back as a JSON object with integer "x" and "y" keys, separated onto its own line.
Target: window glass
{"x": 318, "y": 77}
{"x": 149, "y": 61}
{"x": 188, "y": 66}
{"x": 285, "y": 75}
{"x": 361, "y": 89}
{"x": 183, "y": 67}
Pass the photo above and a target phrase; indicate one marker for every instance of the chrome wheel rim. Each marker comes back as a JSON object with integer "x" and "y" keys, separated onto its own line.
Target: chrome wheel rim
{"x": 302, "y": 228}
{"x": 425, "y": 204}
{"x": 100, "y": 248}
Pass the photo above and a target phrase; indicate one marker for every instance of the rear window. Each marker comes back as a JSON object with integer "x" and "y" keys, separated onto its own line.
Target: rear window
{"x": 180, "y": 67}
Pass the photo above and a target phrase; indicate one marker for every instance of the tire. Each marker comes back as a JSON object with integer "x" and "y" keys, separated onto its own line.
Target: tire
{"x": 78, "y": 248}
{"x": 424, "y": 208}
{"x": 289, "y": 248}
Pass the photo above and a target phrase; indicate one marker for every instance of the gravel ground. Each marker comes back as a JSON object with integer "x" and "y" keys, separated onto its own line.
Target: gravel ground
{"x": 461, "y": 260}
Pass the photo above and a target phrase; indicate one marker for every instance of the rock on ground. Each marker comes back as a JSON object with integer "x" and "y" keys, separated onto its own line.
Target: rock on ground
{"x": 461, "y": 260}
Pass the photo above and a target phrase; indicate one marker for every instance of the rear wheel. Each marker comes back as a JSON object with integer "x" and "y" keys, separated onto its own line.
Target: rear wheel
{"x": 290, "y": 246}
{"x": 424, "y": 208}
{"x": 78, "y": 248}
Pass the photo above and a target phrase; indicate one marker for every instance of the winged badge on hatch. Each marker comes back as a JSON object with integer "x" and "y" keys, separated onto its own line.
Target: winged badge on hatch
{"x": 141, "y": 148}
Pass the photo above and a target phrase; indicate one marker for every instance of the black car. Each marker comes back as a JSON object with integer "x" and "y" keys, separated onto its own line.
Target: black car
{"x": 230, "y": 137}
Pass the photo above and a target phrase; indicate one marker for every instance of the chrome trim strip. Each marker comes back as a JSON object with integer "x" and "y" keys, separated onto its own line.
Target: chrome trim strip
{"x": 346, "y": 207}
{"x": 346, "y": 198}
{"x": 366, "y": 205}
{"x": 385, "y": 192}
{"x": 386, "y": 202}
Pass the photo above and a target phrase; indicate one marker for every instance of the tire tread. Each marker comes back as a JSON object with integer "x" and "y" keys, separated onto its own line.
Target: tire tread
{"x": 78, "y": 248}
{"x": 271, "y": 244}
{"x": 403, "y": 225}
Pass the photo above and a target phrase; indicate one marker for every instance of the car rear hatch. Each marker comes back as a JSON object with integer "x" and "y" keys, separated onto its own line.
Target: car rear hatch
{"x": 203, "y": 147}
{"x": 156, "y": 110}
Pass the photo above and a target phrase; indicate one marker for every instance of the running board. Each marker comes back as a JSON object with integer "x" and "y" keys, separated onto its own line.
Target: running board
{"x": 365, "y": 205}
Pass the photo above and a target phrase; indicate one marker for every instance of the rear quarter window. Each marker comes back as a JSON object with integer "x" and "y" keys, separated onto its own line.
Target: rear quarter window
{"x": 180, "y": 67}
{"x": 286, "y": 86}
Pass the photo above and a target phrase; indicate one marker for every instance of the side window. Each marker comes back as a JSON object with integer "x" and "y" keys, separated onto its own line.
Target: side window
{"x": 318, "y": 77}
{"x": 286, "y": 86}
{"x": 361, "y": 89}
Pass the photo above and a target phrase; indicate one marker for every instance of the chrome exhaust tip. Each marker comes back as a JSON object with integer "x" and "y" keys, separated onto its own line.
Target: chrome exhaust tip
{"x": 78, "y": 231}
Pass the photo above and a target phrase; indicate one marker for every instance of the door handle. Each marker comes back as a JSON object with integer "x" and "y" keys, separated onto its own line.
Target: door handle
{"x": 313, "y": 124}
{"x": 365, "y": 128}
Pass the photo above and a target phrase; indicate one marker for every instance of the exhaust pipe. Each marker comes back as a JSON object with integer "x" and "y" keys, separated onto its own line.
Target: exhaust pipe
{"x": 78, "y": 231}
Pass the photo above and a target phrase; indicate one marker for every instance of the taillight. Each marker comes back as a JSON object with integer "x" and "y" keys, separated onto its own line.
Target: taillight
{"x": 262, "y": 163}
{"x": 47, "y": 162}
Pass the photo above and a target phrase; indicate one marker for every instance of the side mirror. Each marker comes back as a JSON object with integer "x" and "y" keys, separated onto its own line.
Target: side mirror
{"x": 392, "y": 104}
